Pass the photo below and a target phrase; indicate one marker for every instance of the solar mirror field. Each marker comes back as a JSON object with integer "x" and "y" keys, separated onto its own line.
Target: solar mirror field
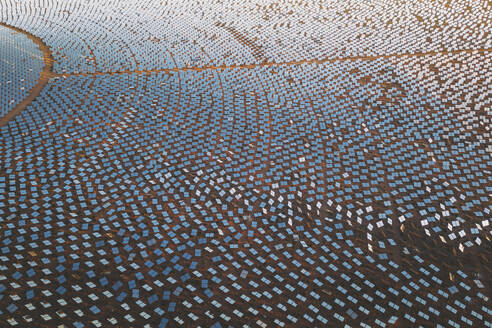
{"x": 256, "y": 163}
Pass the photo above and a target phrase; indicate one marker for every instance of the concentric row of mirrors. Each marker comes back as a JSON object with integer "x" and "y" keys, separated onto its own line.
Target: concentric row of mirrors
{"x": 225, "y": 164}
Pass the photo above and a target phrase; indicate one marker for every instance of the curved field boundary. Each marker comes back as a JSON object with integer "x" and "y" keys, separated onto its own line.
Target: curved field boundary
{"x": 44, "y": 77}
